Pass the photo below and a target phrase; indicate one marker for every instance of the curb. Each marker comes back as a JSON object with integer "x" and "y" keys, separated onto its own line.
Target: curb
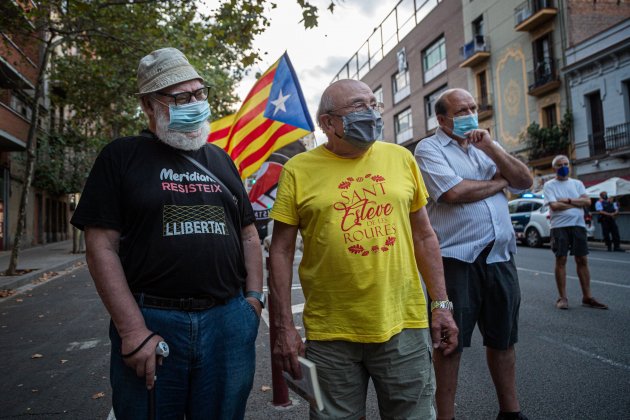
{"x": 13, "y": 282}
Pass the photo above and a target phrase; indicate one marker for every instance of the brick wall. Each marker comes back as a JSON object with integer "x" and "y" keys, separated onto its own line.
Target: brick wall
{"x": 589, "y": 17}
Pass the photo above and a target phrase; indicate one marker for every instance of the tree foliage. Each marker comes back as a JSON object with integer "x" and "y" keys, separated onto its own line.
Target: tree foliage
{"x": 89, "y": 54}
{"x": 97, "y": 45}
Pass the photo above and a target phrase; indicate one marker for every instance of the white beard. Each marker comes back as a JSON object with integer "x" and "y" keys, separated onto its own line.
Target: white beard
{"x": 193, "y": 140}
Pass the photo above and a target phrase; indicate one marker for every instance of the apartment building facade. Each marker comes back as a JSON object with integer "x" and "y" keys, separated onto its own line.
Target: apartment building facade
{"x": 525, "y": 62}
{"x": 47, "y": 214}
{"x": 408, "y": 61}
{"x": 598, "y": 76}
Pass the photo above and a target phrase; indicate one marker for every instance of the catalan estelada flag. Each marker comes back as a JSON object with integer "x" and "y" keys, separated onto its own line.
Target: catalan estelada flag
{"x": 273, "y": 115}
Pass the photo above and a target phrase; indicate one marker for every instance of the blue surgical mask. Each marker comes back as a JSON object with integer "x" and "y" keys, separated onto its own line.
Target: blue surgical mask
{"x": 563, "y": 171}
{"x": 361, "y": 129}
{"x": 188, "y": 117}
{"x": 463, "y": 124}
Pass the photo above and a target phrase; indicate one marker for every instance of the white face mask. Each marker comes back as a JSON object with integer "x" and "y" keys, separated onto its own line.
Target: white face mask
{"x": 193, "y": 140}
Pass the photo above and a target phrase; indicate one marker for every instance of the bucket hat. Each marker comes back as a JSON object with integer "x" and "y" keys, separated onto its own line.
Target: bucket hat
{"x": 163, "y": 68}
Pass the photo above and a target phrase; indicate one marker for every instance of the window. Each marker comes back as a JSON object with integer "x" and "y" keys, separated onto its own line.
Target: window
{"x": 403, "y": 126}
{"x": 434, "y": 60}
{"x": 477, "y": 26}
{"x": 626, "y": 98}
{"x": 19, "y": 106}
{"x": 524, "y": 207}
{"x": 482, "y": 91}
{"x": 378, "y": 93}
{"x": 429, "y": 108}
{"x": 596, "y": 124}
{"x": 400, "y": 86}
{"x": 544, "y": 71}
{"x": 512, "y": 207}
{"x": 549, "y": 116}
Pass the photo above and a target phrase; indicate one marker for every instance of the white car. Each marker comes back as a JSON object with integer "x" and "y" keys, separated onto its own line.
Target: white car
{"x": 530, "y": 219}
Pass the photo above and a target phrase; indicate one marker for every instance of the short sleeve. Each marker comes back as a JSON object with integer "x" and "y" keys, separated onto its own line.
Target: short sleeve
{"x": 285, "y": 207}
{"x": 549, "y": 193}
{"x": 598, "y": 206}
{"x": 438, "y": 176}
{"x": 99, "y": 204}
{"x": 421, "y": 195}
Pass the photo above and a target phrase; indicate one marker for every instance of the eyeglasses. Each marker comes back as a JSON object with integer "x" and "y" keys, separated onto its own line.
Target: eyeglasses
{"x": 183, "y": 98}
{"x": 360, "y": 106}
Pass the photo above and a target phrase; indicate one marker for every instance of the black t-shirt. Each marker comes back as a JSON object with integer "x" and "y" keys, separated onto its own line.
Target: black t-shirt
{"x": 179, "y": 230}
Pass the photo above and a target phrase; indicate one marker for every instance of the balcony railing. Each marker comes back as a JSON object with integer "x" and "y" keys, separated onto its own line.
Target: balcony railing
{"x": 617, "y": 136}
{"x": 611, "y": 140}
{"x": 475, "y": 51}
{"x": 544, "y": 77}
{"x": 399, "y": 22}
{"x": 533, "y": 13}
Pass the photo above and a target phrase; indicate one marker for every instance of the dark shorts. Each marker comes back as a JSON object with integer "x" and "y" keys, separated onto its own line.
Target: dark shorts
{"x": 485, "y": 294}
{"x": 570, "y": 238}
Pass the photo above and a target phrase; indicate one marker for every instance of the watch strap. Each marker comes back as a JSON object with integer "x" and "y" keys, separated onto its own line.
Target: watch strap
{"x": 257, "y": 295}
{"x": 442, "y": 304}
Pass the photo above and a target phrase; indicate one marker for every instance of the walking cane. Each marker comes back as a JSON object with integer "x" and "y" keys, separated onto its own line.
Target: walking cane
{"x": 160, "y": 350}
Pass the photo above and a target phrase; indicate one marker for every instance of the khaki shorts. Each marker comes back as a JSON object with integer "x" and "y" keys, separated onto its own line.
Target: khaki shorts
{"x": 400, "y": 368}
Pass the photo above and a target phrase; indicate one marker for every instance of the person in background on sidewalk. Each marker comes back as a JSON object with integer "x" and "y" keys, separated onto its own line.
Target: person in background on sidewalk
{"x": 174, "y": 254}
{"x": 608, "y": 211}
{"x": 366, "y": 234}
{"x": 465, "y": 172}
{"x": 567, "y": 199}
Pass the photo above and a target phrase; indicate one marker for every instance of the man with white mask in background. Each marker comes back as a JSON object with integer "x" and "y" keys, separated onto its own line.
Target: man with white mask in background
{"x": 174, "y": 254}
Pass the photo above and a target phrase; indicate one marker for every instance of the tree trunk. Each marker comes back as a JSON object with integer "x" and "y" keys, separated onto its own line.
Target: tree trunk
{"x": 30, "y": 162}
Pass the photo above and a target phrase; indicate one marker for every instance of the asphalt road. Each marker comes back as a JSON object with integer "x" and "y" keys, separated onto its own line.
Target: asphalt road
{"x": 571, "y": 364}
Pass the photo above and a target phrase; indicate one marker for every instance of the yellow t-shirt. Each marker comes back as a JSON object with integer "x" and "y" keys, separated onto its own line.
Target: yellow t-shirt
{"x": 358, "y": 271}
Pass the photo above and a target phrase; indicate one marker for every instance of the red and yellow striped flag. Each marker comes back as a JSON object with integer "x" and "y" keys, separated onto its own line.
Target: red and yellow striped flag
{"x": 273, "y": 115}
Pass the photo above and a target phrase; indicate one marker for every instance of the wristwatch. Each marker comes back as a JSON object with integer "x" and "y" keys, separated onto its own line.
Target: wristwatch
{"x": 258, "y": 295}
{"x": 442, "y": 304}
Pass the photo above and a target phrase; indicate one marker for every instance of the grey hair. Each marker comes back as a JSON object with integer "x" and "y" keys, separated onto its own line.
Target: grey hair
{"x": 557, "y": 158}
{"x": 326, "y": 104}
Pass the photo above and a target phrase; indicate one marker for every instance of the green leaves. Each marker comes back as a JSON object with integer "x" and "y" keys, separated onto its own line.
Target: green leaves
{"x": 547, "y": 141}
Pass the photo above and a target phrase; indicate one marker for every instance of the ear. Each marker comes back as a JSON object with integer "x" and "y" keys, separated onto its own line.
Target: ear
{"x": 147, "y": 106}
{"x": 325, "y": 122}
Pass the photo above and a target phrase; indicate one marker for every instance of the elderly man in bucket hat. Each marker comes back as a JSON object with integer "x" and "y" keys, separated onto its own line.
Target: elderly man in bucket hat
{"x": 174, "y": 253}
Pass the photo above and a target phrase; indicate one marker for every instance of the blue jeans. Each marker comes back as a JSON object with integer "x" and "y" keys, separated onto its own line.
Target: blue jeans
{"x": 210, "y": 369}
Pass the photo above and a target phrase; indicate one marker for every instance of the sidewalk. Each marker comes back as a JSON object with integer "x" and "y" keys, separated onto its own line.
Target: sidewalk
{"x": 41, "y": 259}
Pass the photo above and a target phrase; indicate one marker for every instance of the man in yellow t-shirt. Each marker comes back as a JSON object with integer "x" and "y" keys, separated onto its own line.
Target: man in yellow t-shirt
{"x": 359, "y": 205}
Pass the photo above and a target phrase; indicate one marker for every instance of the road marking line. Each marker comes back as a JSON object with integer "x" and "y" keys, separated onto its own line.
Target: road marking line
{"x": 294, "y": 286}
{"x": 295, "y": 309}
{"x": 586, "y": 353}
{"x": 608, "y": 259}
{"x": 625, "y": 286}
{"x": 82, "y": 345}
